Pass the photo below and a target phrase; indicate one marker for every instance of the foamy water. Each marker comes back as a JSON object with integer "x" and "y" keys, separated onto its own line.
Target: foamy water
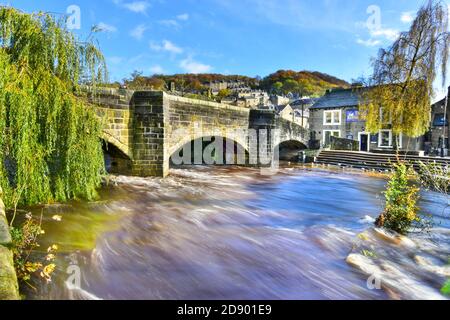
{"x": 230, "y": 233}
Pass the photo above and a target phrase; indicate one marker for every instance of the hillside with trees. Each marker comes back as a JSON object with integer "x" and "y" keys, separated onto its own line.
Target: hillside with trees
{"x": 183, "y": 82}
{"x": 305, "y": 83}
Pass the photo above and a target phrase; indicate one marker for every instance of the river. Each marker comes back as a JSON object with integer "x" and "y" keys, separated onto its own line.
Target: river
{"x": 229, "y": 233}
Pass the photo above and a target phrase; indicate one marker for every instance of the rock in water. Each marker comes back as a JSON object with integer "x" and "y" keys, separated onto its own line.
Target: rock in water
{"x": 8, "y": 280}
{"x": 367, "y": 220}
{"x": 391, "y": 262}
{"x": 393, "y": 280}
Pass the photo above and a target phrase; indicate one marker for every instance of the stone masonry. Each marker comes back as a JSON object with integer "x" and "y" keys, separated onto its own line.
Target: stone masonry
{"x": 147, "y": 127}
{"x": 8, "y": 281}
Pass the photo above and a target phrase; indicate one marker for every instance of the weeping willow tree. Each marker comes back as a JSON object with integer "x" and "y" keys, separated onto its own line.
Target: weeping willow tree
{"x": 49, "y": 138}
{"x": 401, "y": 86}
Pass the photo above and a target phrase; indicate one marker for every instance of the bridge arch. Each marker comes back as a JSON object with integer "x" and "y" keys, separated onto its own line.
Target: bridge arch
{"x": 209, "y": 149}
{"x": 114, "y": 141}
{"x": 116, "y": 160}
{"x": 288, "y": 149}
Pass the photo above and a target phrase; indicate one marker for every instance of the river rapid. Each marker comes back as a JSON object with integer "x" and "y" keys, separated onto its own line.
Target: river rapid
{"x": 231, "y": 233}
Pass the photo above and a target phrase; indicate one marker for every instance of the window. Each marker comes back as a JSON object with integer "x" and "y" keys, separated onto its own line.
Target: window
{"x": 385, "y": 139}
{"x": 439, "y": 120}
{"x": 327, "y": 134}
{"x": 440, "y": 143}
{"x": 385, "y": 116}
{"x": 332, "y": 117}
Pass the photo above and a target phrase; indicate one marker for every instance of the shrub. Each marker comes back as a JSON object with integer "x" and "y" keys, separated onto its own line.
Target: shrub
{"x": 446, "y": 288}
{"x": 24, "y": 241}
{"x": 401, "y": 210}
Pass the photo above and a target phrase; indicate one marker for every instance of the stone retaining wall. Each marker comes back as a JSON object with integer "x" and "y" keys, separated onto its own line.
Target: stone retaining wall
{"x": 8, "y": 280}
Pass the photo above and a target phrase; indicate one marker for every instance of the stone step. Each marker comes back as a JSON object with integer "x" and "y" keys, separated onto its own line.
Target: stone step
{"x": 364, "y": 160}
{"x": 357, "y": 166}
{"x": 383, "y": 156}
{"x": 373, "y": 161}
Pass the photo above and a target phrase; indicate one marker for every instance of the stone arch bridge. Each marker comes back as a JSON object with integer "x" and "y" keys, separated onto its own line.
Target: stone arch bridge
{"x": 143, "y": 129}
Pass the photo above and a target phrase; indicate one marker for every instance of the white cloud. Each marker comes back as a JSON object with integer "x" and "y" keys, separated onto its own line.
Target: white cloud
{"x": 407, "y": 17}
{"x": 169, "y": 23}
{"x": 134, "y": 6}
{"x": 157, "y": 69}
{"x": 183, "y": 17}
{"x": 167, "y": 46}
{"x": 390, "y": 34}
{"x": 139, "y": 31}
{"x": 106, "y": 27}
{"x": 191, "y": 66}
{"x": 369, "y": 42}
{"x": 137, "y": 6}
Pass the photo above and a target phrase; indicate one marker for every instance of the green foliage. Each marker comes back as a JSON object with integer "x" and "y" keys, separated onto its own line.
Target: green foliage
{"x": 446, "y": 288}
{"x": 194, "y": 83}
{"x": 24, "y": 241}
{"x": 304, "y": 82}
{"x": 223, "y": 94}
{"x": 404, "y": 74}
{"x": 280, "y": 82}
{"x": 277, "y": 87}
{"x": 49, "y": 138}
{"x": 401, "y": 210}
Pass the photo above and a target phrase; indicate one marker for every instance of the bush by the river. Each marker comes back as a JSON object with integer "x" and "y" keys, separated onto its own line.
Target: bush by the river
{"x": 401, "y": 209}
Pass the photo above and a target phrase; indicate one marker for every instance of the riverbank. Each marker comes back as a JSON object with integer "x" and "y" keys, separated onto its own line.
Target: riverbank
{"x": 9, "y": 289}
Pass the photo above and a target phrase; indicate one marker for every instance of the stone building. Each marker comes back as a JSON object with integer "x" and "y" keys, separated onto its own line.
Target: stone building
{"x": 337, "y": 114}
{"x": 279, "y": 100}
{"x": 439, "y": 129}
{"x": 286, "y": 112}
{"x": 301, "y": 109}
{"x": 253, "y": 99}
{"x": 232, "y": 85}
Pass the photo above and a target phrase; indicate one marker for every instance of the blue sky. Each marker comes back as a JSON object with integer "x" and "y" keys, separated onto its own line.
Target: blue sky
{"x": 249, "y": 37}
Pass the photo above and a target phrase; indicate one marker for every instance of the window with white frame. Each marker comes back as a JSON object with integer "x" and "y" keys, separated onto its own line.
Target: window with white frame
{"x": 385, "y": 116}
{"x": 327, "y": 134}
{"x": 332, "y": 117}
{"x": 385, "y": 139}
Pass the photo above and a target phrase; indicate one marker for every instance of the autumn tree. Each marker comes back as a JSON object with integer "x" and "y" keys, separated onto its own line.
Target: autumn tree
{"x": 276, "y": 87}
{"x": 404, "y": 75}
{"x": 223, "y": 94}
{"x": 290, "y": 86}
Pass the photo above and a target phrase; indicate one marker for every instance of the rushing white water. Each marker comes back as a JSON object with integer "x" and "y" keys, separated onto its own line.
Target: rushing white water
{"x": 230, "y": 233}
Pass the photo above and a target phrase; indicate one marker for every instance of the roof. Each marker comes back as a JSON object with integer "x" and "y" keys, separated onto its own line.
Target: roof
{"x": 282, "y": 107}
{"x": 439, "y": 103}
{"x": 304, "y": 102}
{"x": 339, "y": 98}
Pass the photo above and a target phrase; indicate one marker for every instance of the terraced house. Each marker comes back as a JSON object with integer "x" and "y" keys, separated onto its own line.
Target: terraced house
{"x": 437, "y": 137}
{"x": 336, "y": 114}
